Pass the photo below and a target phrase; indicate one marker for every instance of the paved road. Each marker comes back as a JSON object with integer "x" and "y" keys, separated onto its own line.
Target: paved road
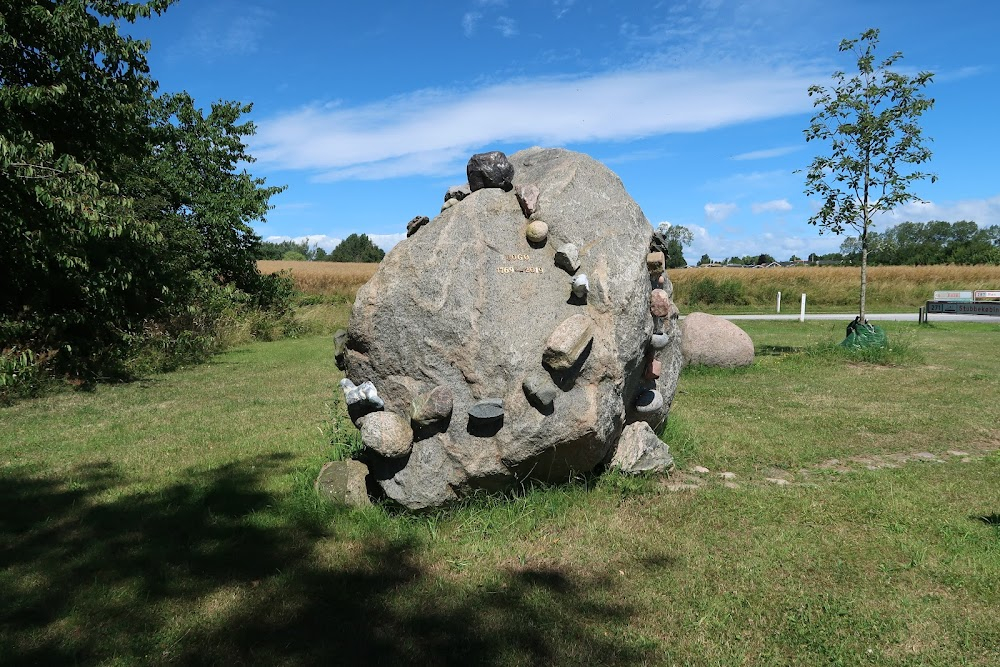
{"x": 847, "y": 317}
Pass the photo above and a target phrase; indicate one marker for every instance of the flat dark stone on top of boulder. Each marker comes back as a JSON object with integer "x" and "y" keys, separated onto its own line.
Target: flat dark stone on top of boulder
{"x": 490, "y": 170}
{"x": 413, "y": 225}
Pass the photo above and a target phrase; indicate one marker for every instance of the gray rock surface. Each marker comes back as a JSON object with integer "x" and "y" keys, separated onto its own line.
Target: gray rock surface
{"x": 343, "y": 483}
{"x": 490, "y": 170}
{"x": 640, "y": 450}
{"x": 469, "y": 304}
{"x": 708, "y": 340}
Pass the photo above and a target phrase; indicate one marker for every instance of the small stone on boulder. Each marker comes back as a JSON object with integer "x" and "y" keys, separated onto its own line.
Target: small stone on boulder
{"x": 708, "y": 340}
{"x": 568, "y": 258}
{"x": 537, "y": 232}
{"x": 434, "y": 406}
{"x": 540, "y": 391}
{"x": 656, "y": 263}
{"x": 580, "y": 286}
{"x": 659, "y": 303}
{"x": 413, "y": 225}
{"x": 490, "y": 170}
{"x": 343, "y": 483}
{"x": 387, "y": 433}
{"x": 448, "y": 204}
{"x": 567, "y": 342}
{"x": 458, "y": 192}
{"x": 658, "y": 341}
{"x": 653, "y": 369}
{"x": 527, "y": 197}
{"x": 640, "y": 450}
{"x": 487, "y": 410}
{"x": 648, "y": 400}
{"x": 339, "y": 348}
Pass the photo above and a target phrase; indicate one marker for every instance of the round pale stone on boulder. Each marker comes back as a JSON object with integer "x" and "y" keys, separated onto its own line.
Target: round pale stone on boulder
{"x": 659, "y": 303}
{"x": 387, "y": 433}
{"x": 537, "y": 231}
{"x": 708, "y": 340}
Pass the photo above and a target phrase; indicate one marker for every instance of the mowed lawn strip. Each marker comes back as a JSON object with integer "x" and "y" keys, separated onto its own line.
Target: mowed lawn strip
{"x": 171, "y": 521}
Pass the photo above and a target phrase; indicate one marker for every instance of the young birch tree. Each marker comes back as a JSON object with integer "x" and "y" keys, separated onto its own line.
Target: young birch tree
{"x": 870, "y": 121}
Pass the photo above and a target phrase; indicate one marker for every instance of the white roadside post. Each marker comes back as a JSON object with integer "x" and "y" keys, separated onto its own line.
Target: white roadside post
{"x": 802, "y": 311}
{"x": 779, "y": 302}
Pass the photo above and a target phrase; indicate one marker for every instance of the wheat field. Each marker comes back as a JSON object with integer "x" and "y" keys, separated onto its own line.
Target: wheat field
{"x": 826, "y": 287}
{"x": 324, "y": 278}
{"x": 834, "y": 286}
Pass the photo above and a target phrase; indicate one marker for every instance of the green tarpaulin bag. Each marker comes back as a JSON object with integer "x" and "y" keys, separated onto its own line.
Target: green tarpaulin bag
{"x": 863, "y": 334}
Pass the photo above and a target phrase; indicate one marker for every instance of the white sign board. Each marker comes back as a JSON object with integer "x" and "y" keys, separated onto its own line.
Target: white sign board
{"x": 953, "y": 295}
{"x": 987, "y": 294}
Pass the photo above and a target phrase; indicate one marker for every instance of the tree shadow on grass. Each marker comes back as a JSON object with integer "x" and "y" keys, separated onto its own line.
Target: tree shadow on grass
{"x": 207, "y": 571}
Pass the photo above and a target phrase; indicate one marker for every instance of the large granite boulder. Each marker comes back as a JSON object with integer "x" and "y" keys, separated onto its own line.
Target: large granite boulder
{"x": 708, "y": 340}
{"x": 534, "y": 376}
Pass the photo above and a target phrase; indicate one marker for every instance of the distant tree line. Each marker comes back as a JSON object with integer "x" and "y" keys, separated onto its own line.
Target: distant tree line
{"x": 355, "y": 248}
{"x": 935, "y": 242}
{"x": 909, "y": 243}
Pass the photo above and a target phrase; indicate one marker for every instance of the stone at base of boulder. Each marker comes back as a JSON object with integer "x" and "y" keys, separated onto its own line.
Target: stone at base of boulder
{"x": 640, "y": 450}
{"x": 343, "y": 483}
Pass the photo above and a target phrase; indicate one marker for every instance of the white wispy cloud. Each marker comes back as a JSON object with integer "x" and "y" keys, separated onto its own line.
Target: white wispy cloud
{"x": 719, "y": 212}
{"x": 984, "y": 212}
{"x": 217, "y": 32}
{"x": 507, "y": 26}
{"x": 415, "y": 133}
{"x": 773, "y": 206}
{"x": 767, "y": 153}
{"x": 780, "y": 246}
{"x": 560, "y": 7}
{"x": 469, "y": 22}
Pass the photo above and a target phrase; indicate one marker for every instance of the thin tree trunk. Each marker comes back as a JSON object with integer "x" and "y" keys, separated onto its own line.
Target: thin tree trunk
{"x": 864, "y": 271}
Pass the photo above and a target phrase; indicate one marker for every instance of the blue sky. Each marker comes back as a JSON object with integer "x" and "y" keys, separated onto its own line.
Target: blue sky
{"x": 368, "y": 112}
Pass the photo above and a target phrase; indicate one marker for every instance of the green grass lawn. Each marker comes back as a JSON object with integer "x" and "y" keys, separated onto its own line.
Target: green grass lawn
{"x": 172, "y": 521}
